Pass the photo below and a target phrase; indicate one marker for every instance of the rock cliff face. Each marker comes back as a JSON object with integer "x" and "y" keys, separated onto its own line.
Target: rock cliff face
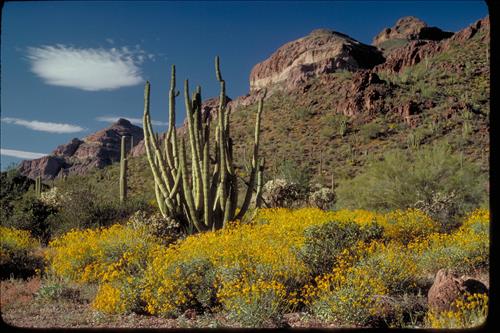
{"x": 322, "y": 51}
{"x": 79, "y": 156}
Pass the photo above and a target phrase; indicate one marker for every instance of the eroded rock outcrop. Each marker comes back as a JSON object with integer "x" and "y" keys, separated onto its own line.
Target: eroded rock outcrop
{"x": 322, "y": 51}
{"x": 79, "y": 156}
{"x": 414, "y": 51}
{"x": 408, "y": 28}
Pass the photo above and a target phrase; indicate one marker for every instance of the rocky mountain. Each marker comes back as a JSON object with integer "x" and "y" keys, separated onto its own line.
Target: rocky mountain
{"x": 78, "y": 156}
{"x": 425, "y": 91}
{"x": 322, "y": 51}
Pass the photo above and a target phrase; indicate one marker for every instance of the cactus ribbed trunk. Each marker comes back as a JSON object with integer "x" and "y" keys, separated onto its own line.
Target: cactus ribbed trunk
{"x": 203, "y": 195}
{"x": 123, "y": 172}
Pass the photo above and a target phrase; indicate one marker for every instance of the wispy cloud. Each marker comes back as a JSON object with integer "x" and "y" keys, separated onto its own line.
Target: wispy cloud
{"x": 21, "y": 154}
{"x": 90, "y": 69}
{"x": 137, "y": 121}
{"x": 44, "y": 126}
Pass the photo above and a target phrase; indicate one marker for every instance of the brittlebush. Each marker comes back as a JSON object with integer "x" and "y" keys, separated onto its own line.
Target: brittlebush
{"x": 253, "y": 272}
{"x": 469, "y": 312}
{"x": 114, "y": 257}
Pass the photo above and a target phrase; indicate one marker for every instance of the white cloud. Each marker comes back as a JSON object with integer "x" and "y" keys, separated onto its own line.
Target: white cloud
{"x": 44, "y": 126}
{"x": 87, "y": 69}
{"x": 110, "y": 40}
{"x": 21, "y": 154}
{"x": 137, "y": 121}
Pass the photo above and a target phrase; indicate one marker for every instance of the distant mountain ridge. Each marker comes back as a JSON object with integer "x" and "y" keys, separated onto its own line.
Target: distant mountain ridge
{"x": 97, "y": 150}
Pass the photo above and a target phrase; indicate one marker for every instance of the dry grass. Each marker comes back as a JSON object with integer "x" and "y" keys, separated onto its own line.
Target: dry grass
{"x": 16, "y": 292}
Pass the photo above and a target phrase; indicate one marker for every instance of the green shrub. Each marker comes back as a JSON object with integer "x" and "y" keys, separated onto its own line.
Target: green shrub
{"x": 53, "y": 288}
{"x": 292, "y": 172}
{"x": 370, "y": 131}
{"x": 303, "y": 114}
{"x": 12, "y": 187}
{"x": 29, "y": 213}
{"x": 405, "y": 179}
{"x": 335, "y": 124}
{"x": 83, "y": 207}
{"x": 323, "y": 244}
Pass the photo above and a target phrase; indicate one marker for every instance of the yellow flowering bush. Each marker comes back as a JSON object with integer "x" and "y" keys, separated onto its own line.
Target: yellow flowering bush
{"x": 119, "y": 296}
{"x": 405, "y": 226}
{"x": 252, "y": 303}
{"x": 114, "y": 257}
{"x": 469, "y": 312}
{"x": 465, "y": 249}
{"x": 103, "y": 254}
{"x": 17, "y": 255}
{"x": 392, "y": 263}
{"x": 347, "y": 296}
{"x": 253, "y": 250}
{"x": 477, "y": 221}
{"x": 187, "y": 284}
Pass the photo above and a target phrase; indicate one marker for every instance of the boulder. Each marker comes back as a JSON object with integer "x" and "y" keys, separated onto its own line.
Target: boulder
{"x": 448, "y": 287}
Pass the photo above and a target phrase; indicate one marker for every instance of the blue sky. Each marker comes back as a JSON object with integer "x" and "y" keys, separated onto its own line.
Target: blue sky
{"x": 70, "y": 67}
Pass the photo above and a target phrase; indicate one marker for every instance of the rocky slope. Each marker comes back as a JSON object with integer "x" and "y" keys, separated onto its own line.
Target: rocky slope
{"x": 78, "y": 156}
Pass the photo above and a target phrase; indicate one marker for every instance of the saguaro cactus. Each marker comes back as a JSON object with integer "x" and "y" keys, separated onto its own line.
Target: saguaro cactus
{"x": 203, "y": 195}
{"x": 123, "y": 172}
{"x": 38, "y": 186}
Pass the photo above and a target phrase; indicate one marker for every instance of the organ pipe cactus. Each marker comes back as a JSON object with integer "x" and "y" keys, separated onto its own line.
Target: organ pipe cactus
{"x": 123, "y": 172}
{"x": 197, "y": 185}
